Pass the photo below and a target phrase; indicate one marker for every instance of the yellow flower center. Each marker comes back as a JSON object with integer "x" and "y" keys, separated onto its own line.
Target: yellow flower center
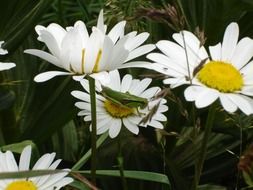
{"x": 221, "y": 76}
{"x": 117, "y": 110}
{"x": 21, "y": 185}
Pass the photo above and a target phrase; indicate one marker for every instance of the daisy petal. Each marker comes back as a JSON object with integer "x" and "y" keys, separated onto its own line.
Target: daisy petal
{"x": 25, "y": 158}
{"x": 114, "y": 128}
{"x": 229, "y": 42}
{"x": 244, "y": 103}
{"x": 44, "y": 55}
{"x": 140, "y": 51}
{"x": 131, "y": 126}
{"x": 126, "y": 83}
{"x": 206, "y": 97}
{"x": 215, "y": 52}
{"x": 227, "y": 103}
{"x": 117, "y": 31}
{"x": 6, "y": 66}
{"x": 243, "y": 53}
{"x": 42, "y": 77}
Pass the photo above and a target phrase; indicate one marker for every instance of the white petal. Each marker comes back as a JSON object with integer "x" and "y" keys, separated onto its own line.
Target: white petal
{"x": 6, "y": 66}
{"x": 136, "y": 41}
{"x": 169, "y": 66}
{"x": 92, "y": 50}
{"x": 247, "y": 71}
{"x": 57, "y": 31}
{"x": 45, "y": 178}
{"x": 102, "y": 77}
{"x": 50, "y": 41}
{"x": 206, "y": 97}
{"x": 53, "y": 180}
{"x": 24, "y": 161}
{"x": 192, "y": 92}
{"x": 229, "y": 41}
{"x": 44, "y": 55}
{"x": 117, "y": 31}
{"x": 11, "y": 162}
{"x": 114, "y": 80}
{"x": 140, "y": 87}
{"x": 137, "y": 64}
{"x": 78, "y": 77}
{"x": 155, "y": 124}
{"x": 84, "y": 35}
{"x": 247, "y": 90}
{"x": 191, "y": 44}
{"x": 215, "y": 52}
{"x": 243, "y": 53}
{"x": 119, "y": 55}
{"x": 159, "y": 117}
{"x": 114, "y": 128}
{"x": 150, "y": 92}
{"x": 131, "y": 126}
{"x": 81, "y": 95}
{"x": 176, "y": 82}
{"x": 227, "y": 103}
{"x": 85, "y": 85}
{"x": 106, "y": 58}
{"x": 244, "y": 103}
{"x": 140, "y": 51}
{"x": 2, "y": 51}
{"x": 126, "y": 83}
{"x": 100, "y": 23}
{"x": 72, "y": 52}
{"x": 44, "y": 162}
{"x": 63, "y": 182}
{"x": 42, "y": 77}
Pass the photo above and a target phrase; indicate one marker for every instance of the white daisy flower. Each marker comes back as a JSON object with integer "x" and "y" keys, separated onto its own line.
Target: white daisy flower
{"x": 79, "y": 53}
{"x": 111, "y": 116}
{"x": 45, "y": 182}
{"x": 5, "y": 66}
{"x": 227, "y": 76}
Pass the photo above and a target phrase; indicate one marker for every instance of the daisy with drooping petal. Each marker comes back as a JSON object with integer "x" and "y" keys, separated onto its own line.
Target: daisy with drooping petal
{"x": 5, "y": 66}
{"x": 178, "y": 60}
{"x": 111, "y": 116}
{"x": 45, "y": 182}
{"x": 79, "y": 53}
{"x": 227, "y": 76}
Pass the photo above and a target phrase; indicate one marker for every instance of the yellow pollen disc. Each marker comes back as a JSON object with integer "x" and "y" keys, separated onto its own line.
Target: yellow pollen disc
{"x": 96, "y": 66}
{"x": 116, "y": 110}
{"x": 21, "y": 185}
{"x": 221, "y": 76}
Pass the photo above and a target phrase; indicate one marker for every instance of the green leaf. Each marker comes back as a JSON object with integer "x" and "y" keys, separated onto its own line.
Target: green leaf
{"x": 18, "y": 147}
{"x": 140, "y": 175}
{"x": 211, "y": 187}
{"x": 26, "y": 174}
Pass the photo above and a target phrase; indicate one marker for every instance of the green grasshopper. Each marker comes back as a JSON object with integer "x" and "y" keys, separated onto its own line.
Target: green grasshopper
{"x": 124, "y": 99}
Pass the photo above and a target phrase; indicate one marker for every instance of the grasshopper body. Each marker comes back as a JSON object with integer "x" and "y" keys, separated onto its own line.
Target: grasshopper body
{"x": 124, "y": 99}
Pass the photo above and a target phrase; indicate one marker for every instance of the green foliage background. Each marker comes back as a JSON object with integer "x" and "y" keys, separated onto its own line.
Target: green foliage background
{"x": 45, "y": 114}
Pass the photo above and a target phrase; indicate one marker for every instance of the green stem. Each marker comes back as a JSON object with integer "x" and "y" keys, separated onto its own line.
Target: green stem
{"x": 93, "y": 128}
{"x": 203, "y": 148}
{"x": 120, "y": 163}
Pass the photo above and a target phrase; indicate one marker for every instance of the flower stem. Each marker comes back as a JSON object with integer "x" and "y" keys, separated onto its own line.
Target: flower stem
{"x": 203, "y": 148}
{"x": 93, "y": 128}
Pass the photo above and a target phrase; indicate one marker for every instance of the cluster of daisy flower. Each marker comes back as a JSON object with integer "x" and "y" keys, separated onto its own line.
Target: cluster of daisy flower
{"x": 225, "y": 73}
{"x": 46, "y": 182}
